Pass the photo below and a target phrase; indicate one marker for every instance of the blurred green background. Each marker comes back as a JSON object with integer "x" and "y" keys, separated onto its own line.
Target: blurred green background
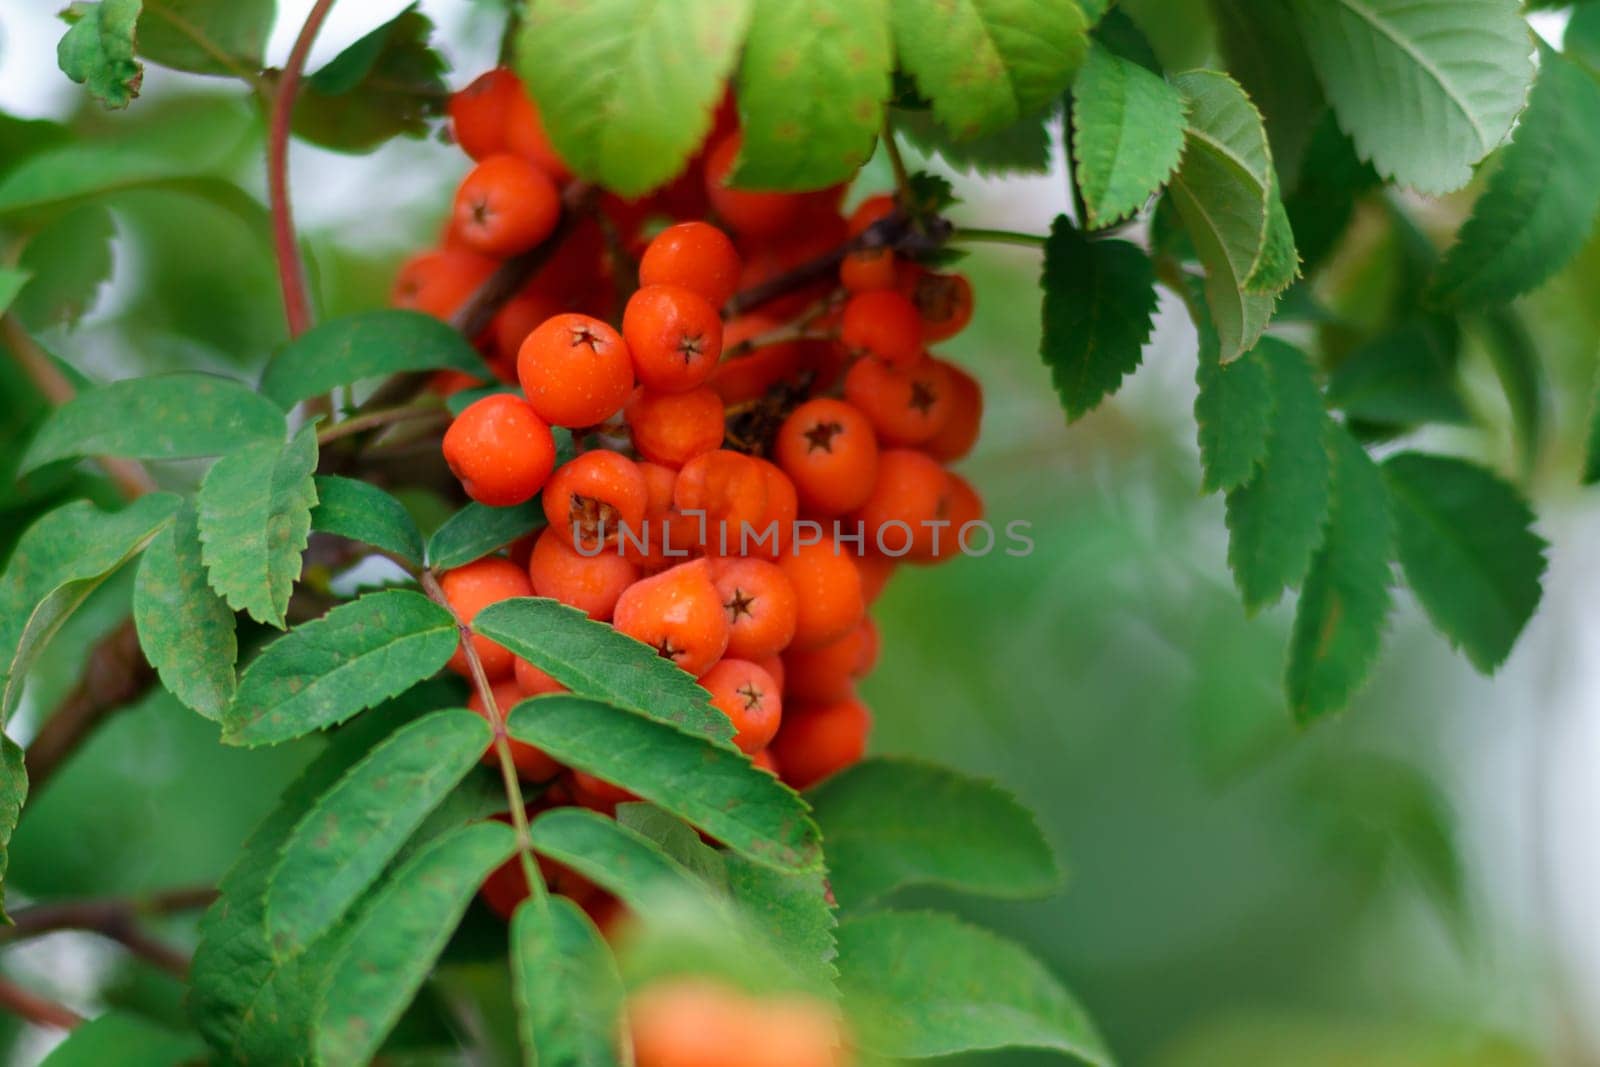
{"x": 1409, "y": 884}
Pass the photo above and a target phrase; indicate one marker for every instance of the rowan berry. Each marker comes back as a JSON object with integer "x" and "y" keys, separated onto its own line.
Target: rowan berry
{"x": 478, "y": 112}
{"x": 749, "y": 213}
{"x": 750, "y": 699}
{"x": 534, "y": 682}
{"x": 590, "y": 499}
{"x": 819, "y": 235}
{"x": 673, "y": 428}
{"x": 943, "y": 301}
{"x": 905, "y": 406}
{"x": 591, "y": 583}
{"x": 749, "y": 376}
{"x": 730, "y": 489}
{"x": 674, "y": 335}
{"x": 884, "y": 324}
{"x": 525, "y": 136}
{"x": 533, "y": 764}
{"x": 597, "y": 794}
{"x": 775, "y": 528}
{"x": 873, "y": 209}
{"x": 955, "y": 438}
{"x": 875, "y": 571}
{"x": 506, "y": 887}
{"x": 819, "y": 740}
{"x": 502, "y": 452}
{"x": 829, "y": 450}
{"x": 766, "y": 761}
{"x": 965, "y": 507}
{"x": 911, "y": 493}
{"x": 439, "y": 282}
{"x": 773, "y": 665}
{"x": 829, "y": 672}
{"x": 693, "y": 1023}
{"x": 575, "y": 370}
{"x": 827, "y": 589}
{"x": 513, "y": 323}
{"x": 679, "y": 614}
{"x": 867, "y": 270}
{"x": 760, "y": 603}
{"x": 647, "y": 547}
{"x": 696, "y": 256}
{"x": 506, "y": 205}
{"x": 471, "y": 588}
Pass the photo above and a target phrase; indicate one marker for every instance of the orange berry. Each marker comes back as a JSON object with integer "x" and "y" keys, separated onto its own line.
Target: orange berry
{"x": 867, "y": 270}
{"x": 525, "y": 136}
{"x": 695, "y": 255}
{"x": 506, "y": 887}
{"x": 884, "y": 324}
{"x": 766, "y": 761}
{"x": 502, "y": 452}
{"x": 827, "y": 589}
{"x": 761, "y": 606}
{"x": 965, "y": 506}
{"x": 478, "y": 112}
{"x": 829, "y": 672}
{"x": 773, "y": 665}
{"x": 783, "y": 507}
{"x": 829, "y": 450}
{"x": 532, "y": 764}
{"x": 695, "y": 1023}
{"x": 597, "y": 794}
{"x": 591, "y": 584}
{"x": 955, "y": 438}
{"x": 438, "y": 283}
{"x": 673, "y": 428}
{"x": 749, "y": 213}
{"x": 748, "y": 377}
{"x": 590, "y": 499}
{"x": 943, "y": 301}
{"x": 875, "y": 571}
{"x": 575, "y": 370}
{"x": 534, "y": 682}
{"x": 506, "y": 205}
{"x": 730, "y": 489}
{"x": 513, "y": 323}
{"x": 679, "y": 614}
{"x": 819, "y": 740}
{"x": 906, "y": 406}
{"x": 750, "y": 699}
{"x": 647, "y": 547}
{"x": 674, "y": 335}
{"x": 871, "y": 210}
{"x": 471, "y": 588}
{"x": 912, "y": 493}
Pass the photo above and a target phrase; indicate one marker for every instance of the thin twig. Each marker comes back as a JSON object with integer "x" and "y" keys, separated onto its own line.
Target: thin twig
{"x": 892, "y": 231}
{"x": 115, "y": 675}
{"x": 101, "y": 913}
{"x": 1000, "y": 237}
{"x": 291, "y": 271}
{"x": 794, "y": 331}
{"x": 897, "y": 163}
{"x": 373, "y": 420}
{"x": 40, "y": 1011}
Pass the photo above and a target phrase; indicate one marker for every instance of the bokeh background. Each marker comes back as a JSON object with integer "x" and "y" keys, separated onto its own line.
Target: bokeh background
{"x": 1412, "y": 883}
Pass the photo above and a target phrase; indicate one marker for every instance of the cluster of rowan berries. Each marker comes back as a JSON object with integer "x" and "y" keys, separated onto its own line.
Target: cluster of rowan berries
{"x": 744, "y": 485}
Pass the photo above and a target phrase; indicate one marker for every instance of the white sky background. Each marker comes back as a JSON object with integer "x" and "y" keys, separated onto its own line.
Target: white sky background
{"x": 1540, "y": 718}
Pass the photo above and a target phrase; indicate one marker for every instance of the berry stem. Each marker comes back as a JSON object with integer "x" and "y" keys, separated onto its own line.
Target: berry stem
{"x": 893, "y": 231}
{"x": 426, "y": 408}
{"x": 291, "y": 271}
{"x": 999, "y": 237}
{"x": 502, "y": 741}
{"x": 794, "y": 331}
{"x": 31, "y": 1007}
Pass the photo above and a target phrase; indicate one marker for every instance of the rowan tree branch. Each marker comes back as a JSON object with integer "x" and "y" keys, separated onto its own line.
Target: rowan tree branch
{"x": 115, "y": 675}
{"x": 31, "y": 1007}
{"x": 115, "y": 918}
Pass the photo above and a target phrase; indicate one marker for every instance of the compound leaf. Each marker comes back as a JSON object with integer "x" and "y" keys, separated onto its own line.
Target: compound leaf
{"x": 362, "y": 512}
{"x": 568, "y": 992}
{"x": 478, "y": 529}
{"x": 1128, "y": 134}
{"x": 186, "y": 630}
{"x": 368, "y": 344}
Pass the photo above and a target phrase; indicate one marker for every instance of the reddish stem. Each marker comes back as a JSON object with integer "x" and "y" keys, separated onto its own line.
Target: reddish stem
{"x": 291, "y": 272}
{"x": 37, "y": 1010}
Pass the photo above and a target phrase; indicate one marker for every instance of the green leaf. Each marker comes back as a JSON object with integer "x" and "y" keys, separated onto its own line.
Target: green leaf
{"x": 185, "y": 629}
{"x": 793, "y": 911}
{"x": 11, "y": 282}
{"x": 206, "y": 36}
{"x": 97, "y": 51}
{"x": 1099, "y": 299}
{"x": 324, "y": 671}
{"x": 478, "y": 529}
{"x": 1581, "y": 42}
{"x": 1540, "y": 204}
{"x": 249, "y": 1006}
{"x": 1232, "y": 411}
{"x": 166, "y": 416}
{"x": 127, "y": 1040}
{"x": 716, "y": 789}
{"x": 984, "y": 64}
{"x": 1514, "y": 354}
{"x": 811, "y": 89}
{"x": 1262, "y": 45}
{"x": 1279, "y": 264}
{"x": 1424, "y": 90}
{"x": 923, "y": 984}
{"x": 368, "y": 344}
{"x": 348, "y": 837}
{"x": 363, "y": 512}
{"x": 1591, "y": 464}
{"x": 1338, "y": 626}
{"x": 1127, "y": 134}
{"x": 892, "y": 823}
{"x": 399, "y": 936}
{"x": 677, "y": 839}
{"x": 1466, "y": 541}
{"x": 614, "y": 857}
{"x": 1401, "y": 378}
{"x": 388, "y": 84}
{"x": 1021, "y": 148}
{"x": 1224, "y": 192}
{"x": 255, "y": 517}
{"x": 568, "y": 992}
{"x": 13, "y": 794}
{"x": 57, "y": 563}
{"x": 1275, "y": 519}
{"x": 594, "y": 660}
{"x": 69, "y": 259}
{"x": 627, "y": 88}
{"x": 1332, "y": 178}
